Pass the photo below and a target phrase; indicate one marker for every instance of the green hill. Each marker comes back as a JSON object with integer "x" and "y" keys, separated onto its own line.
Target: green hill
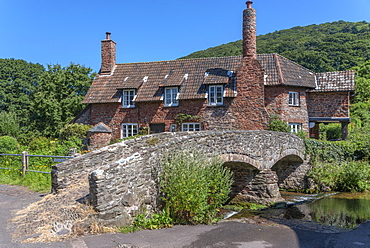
{"x": 326, "y": 47}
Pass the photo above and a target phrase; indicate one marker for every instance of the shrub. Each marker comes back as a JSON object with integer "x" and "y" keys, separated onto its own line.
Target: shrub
{"x": 74, "y": 130}
{"x": 8, "y": 145}
{"x": 278, "y": 125}
{"x": 346, "y": 176}
{"x": 194, "y": 187}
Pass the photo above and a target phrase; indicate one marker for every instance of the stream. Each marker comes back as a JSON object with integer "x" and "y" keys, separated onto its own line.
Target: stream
{"x": 332, "y": 210}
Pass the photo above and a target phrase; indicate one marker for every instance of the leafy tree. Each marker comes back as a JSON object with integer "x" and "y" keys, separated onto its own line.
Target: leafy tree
{"x": 325, "y": 47}
{"x": 9, "y": 124}
{"x": 59, "y": 95}
{"x": 363, "y": 82}
{"x": 18, "y": 83}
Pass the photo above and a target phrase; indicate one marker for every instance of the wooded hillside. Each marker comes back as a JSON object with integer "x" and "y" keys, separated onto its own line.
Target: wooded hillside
{"x": 326, "y": 47}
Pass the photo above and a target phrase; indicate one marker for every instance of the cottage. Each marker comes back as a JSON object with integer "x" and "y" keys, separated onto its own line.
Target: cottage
{"x": 223, "y": 93}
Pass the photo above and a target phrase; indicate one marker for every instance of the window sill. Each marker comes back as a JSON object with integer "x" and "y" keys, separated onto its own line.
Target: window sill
{"x": 215, "y": 106}
{"x": 128, "y": 107}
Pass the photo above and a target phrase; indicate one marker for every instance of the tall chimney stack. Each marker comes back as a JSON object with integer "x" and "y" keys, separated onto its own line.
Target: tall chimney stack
{"x": 108, "y": 55}
{"x": 249, "y": 32}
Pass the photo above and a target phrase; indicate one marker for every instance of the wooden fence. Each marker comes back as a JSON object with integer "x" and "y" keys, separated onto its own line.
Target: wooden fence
{"x": 25, "y": 162}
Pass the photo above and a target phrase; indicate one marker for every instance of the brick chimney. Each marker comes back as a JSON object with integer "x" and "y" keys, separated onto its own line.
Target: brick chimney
{"x": 249, "y": 32}
{"x": 108, "y": 55}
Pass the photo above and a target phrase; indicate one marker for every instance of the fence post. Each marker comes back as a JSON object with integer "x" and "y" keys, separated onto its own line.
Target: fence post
{"x": 24, "y": 163}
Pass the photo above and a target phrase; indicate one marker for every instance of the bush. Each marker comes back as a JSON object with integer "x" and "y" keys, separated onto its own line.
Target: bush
{"x": 346, "y": 176}
{"x": 194, "y": 187}
{"x": 360, "y": 140}
{"x": 8, "y": 145}
{"x": 278, "y": 125}
{"x": 74, "y": 130}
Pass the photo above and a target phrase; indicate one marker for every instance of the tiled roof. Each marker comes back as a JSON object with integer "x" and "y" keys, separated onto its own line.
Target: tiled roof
{"x": 193, "y": 76}
{"x": 335, "y": 81}
{"x": 282, "y": 71}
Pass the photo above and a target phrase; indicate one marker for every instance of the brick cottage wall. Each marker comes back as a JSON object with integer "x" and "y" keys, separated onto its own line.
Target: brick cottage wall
{"x": 277, "y": 102}
{"x": 328, "y": 104}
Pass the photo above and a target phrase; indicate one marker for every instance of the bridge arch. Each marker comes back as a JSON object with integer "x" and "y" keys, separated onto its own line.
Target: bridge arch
{"x": 123, "y": 177}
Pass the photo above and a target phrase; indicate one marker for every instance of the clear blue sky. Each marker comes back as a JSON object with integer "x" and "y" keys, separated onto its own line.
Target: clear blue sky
{"x": 60, "y": 32}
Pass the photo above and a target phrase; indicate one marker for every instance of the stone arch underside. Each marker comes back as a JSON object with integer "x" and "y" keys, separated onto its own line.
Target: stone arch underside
{"x": 123, "y": 177}
{"x": 291, "y": 171}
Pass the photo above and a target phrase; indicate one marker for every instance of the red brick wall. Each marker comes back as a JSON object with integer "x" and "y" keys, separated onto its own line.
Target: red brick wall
{"x": 108, "y": 56}
{"x": 98, "y": 140}
{"x": 328, "y": 104}
{"x": 245, "y": 112}
{"x": 277, "y": 102}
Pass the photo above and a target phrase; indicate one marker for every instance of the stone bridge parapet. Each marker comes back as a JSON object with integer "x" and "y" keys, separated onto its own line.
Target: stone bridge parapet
{"x": 123, "y": 177}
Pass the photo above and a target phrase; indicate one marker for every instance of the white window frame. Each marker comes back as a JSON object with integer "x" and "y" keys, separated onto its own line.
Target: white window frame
{"x": 293, "y": 98}
{"x": 171, "y": 97}
{"x": 295, "y": 127}
{"x": 173, "y": 127}
{"x": 216, "y": 95}
{"x": 128, "y": 97}
{"x": 129, "y": 129}
{"x": 192, "y": 126}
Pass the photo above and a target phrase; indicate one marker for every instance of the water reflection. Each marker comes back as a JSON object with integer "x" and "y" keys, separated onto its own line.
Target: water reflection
{"x": 342, "y": 210}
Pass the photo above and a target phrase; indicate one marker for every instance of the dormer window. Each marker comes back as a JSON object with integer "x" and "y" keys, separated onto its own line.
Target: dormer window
{"x": 128, "y": 97}
{"x": 216, "y": 95}
{"x": 293, "y": 98}
{"x": 171, "y": 97}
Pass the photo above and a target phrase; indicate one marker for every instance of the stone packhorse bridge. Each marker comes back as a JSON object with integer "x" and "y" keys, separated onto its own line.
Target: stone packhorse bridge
{"x": 123, "y": 177}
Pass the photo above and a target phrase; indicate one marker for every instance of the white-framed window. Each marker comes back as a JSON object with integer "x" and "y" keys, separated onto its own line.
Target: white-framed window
{"x": 216, "y": 95}
{"x": 295, "y": 127}
{"x": 128, "y": 97}
{"x": 293, "y": 98}
{"x": 190, "y": 127}
{"x": 173, "y": 127}
{"x": 170, "y": 96}
{"x": 129, "y": 129}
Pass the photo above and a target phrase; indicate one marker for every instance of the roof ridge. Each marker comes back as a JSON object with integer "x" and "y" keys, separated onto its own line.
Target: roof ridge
{"x": 161, "y": 61}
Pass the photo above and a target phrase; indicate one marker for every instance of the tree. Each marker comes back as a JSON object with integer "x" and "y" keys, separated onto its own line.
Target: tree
{"x": 59, "y": 95}
{"x": 9, "y": 124}
{"x": 18, "y": 83}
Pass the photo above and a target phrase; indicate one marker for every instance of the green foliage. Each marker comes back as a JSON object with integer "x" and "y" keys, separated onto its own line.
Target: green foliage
{"x": 331, "y": 131}
{"x": 59, "y": 96}
{"x": 18, "y": 84}
{"x": 153, "y": 221}
{"x": 345, "y": 176}
{"x": 278, "y": 125}
{"x": 74, "y": 130}
{"x": 362, "y": 82}
{"x": 327, "y": 151}
{"x": 360, "y": 142}
{"x": 180, "y": 118}
{"x": 193, "y": 186}
{"x": 326, "y": 47}
{"x": 8, "y": 145}
{"x": 9, "y": 124}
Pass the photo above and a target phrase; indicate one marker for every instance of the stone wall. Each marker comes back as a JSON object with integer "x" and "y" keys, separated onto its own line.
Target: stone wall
{"x": 124, "y": 176}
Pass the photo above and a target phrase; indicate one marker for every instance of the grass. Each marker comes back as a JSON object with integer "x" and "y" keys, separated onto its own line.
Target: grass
{"x": 35, "y": 181}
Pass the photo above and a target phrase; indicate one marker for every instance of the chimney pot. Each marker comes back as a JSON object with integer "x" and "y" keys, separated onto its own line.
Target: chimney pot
{"x": 249, "y": 4}
{"x": 107, "y": 35}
